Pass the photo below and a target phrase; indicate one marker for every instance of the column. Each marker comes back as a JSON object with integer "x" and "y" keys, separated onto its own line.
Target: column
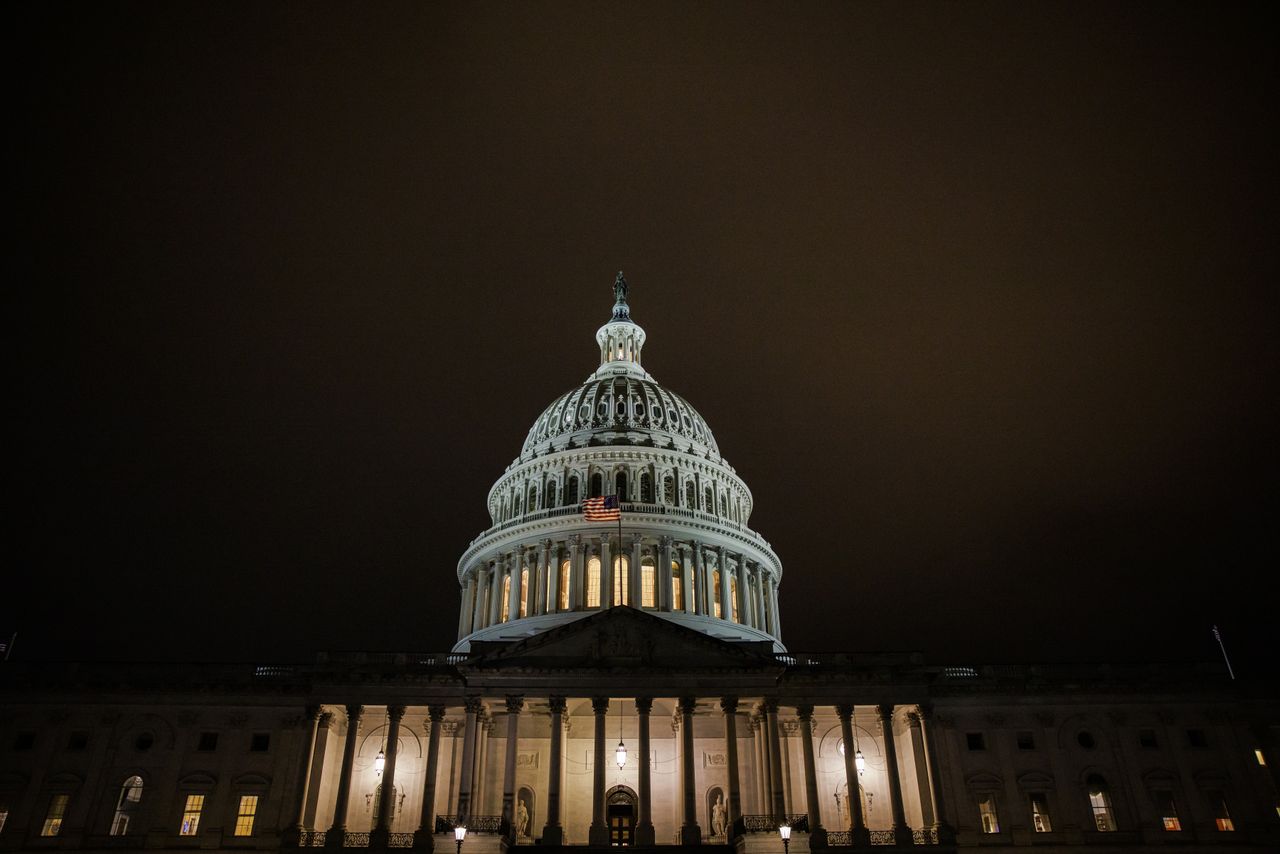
{"x": 664, "y": 575}
{"x": 536, "y": 566}
{"x": 553, "y": 833}
{"x": 321, "y": 753}
{"x": 785, "y": 731}
{"x": 515, "y": 568}
{"x": 465, "y": 611}
{"x": 553, "y": 580}
{"x": 773, "y": 610}
{"x": 901, "y": 832}
{"x": 599, "y": 833}
{"x": 575, "y": 572}
{"x": 546, "y": 604}
{"x": 388, "y": 782}
{"x": 495, "y": 593}
{"x": 945, "y": 832}
{"x": 644, "y": 827}
{"x": 762, "y": 763}
{"x": 636, "y": 592}
{"x": 606, "y": 573}
{"x": 690, "y": 833}
{"x": 922, "y": 768}
{"x": 469, "y": 737}
{"x": 777, "y": 802}
{"x": 761, "y": 622}
{"x": 817, "y": 833}
{"x": 744, "y": 610}
{"x": 700, "y": 578}
{"x": 687, "y": 582}
{"x": 729, "y": 705}
{"x": 336, "y": 833}
{"x": 726, "y": 605}
{"x": 478, "y": 609}
{"x": 304, "y": 780}
{"x": 484, "y": 729}
{"x": 857, "y": 821}
{"x": 423, "y": 838}
{"x": 515, "y": 703}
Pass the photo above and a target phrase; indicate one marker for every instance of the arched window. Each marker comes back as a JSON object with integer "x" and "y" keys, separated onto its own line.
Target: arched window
{"x": 677, "y": 595}
{"x": 597, "y": 485}
{"x": 669, "y": 490}
{"x": 646, "y": 488}
{"x": 126, "y": 805}
{"x": 564, "y": 586}
{"x": 532, "y": 503}
{"x": 690, "y": 496}
{"x": 593, "y": 581}
{"x": 571, "y": 498}
{"x": 505, "y": 614}
{"x": 1100, "y": 803}
{"x": 621, "y": 589}
{"x": 524, "y": 592}
{"x": 733, "y": 598}
{"x": 709, "y": 504}
{"x": 620, "y": 486}
{"x": 724, "y": 510}
{"x": 648, "y": 583}
{"x": 550, "y": 500}
{"x": 715, "y": 592}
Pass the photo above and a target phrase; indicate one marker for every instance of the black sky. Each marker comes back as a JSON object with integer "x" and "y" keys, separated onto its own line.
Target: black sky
{"x": 980, "y": 300}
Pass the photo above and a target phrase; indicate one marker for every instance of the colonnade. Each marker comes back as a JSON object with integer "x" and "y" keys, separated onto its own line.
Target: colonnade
{"x": 771, "y": 774}
{"x": 661, "y": 574}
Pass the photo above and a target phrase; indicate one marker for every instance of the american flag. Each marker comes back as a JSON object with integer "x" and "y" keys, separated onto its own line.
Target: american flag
{"x": 604, "y": 509}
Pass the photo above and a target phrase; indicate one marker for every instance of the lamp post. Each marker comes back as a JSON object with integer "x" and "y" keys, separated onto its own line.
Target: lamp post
{"x": 784, "y": 830}
{"x": 459, "y": 834}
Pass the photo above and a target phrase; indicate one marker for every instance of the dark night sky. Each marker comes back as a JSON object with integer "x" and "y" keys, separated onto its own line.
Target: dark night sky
{"x": 980, "y": 300}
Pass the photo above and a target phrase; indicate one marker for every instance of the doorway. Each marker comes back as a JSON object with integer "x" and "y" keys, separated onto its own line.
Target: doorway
{"x": 620, "y": 814}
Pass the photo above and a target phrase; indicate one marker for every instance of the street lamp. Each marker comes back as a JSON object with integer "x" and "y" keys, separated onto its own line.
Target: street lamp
{"x": 620, "y": 755}
{"x": 460, "y": 833}
{"x": 859, "y": 761}
{"x": 784, "y": 830}
{"x": 379, "y": 762}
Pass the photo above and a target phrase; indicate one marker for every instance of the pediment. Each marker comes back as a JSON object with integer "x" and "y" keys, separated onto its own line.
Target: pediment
{"x": 624, "y": 637}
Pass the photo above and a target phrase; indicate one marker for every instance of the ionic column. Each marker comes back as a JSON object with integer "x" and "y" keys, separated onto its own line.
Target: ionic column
{"x": 599, "y": 832}
{"x": 535, "y": 582}
{"x": 729, "y": 705}
{"x": 664, "y": 574}
{"x": 945, "y": 832}
{"x": 478, "y": 612}
{"x": 466, "y": 609}
{"x": 576, "y": 598}
{"x": 606, "y": 573}
{"x": 546, "y": 603}
{"x": 515, "y": 703}
{"x": 785, "y": 729}
{"x": 762, "y": 762}
{"x": 423, "y": 838}
{"x": 644, "y": 828}
{"x": 687, "y": 583}
{"x": 726, "y": 609}
{"x": 495, "y": 593}
{"x": 817, "y": 833}
{"x": 335, "y": 834}
{"x": 294, "y": 832}
{"x": 514, "y": 571}
{"x": 922, "y": 768}
{"x": 761, "y": 622}
{"x": 744, "y": 610}
{"x": 777, "y": 801}
{"x": 700, "y": 574}
{"x": 635, "y": 592}
{"x": 857, "y": 821}
{"x": 901, "y": 832}
{"x": 690, "y": 833}
{"x": 479, "y": 785}
{"x": 773, "y": 610}
{"x": 553, "y": 833}
{"x": 469, "y": 737}
{"x": 388, "y": 784}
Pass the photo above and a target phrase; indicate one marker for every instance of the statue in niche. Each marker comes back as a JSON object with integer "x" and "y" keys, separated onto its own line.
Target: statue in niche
{"x": 522, "y": 820}
{"x": 719, "y": 819}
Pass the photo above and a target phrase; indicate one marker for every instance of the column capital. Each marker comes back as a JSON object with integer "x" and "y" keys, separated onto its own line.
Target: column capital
{"x": 925, "y": 711}
{"x": 326, "y": 718}
{"x": 666, "y": 540}
{"x": 313, "y": 712}
{"x": 473, "y": 705}
{"x": 435, "y": 714}
{"x": 913, "y": 719}
{"x": 354, "y": 712}
{"x": 729, "y": 705}
{"x": 545, "y": 543}
{"x": 844, "y": 711}
{"x": 644, "y": 705}
{"x": 515, "y": 702}
{"x": 885, "y": 711}
{"x": 600, "y": 705}
{"x": 770, "y": 705}
{"x": 395, "y": 713}
{"x": 637, "y": 539}
{"x": 688, "y": 705}
{"x": 557, "y": 704}
{"x": 805, "y": 712}
{"x": 574, "y": 540}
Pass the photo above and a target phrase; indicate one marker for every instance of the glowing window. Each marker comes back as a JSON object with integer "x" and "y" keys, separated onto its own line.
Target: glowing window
{"x": 1040, "y": 814}
{"x": 191, "y": 815}
{"x": 1100, "y": 804}
{"x": 733, "y": 598}
{"x": 245, "y": 814}
{"x": 677, "y": 595}
{"x": 506, "y": 599}
{"x": 53, "y": 818}
{"x": 1168, "y": 810}
{"x": 593, "y": 582}
{"x": 524, "y": 592}
{"x": 1218, "y": 805}
{"x": 564, "y": 586}
{"x": 715, "y": 592}
{"x": 1258, "y": 755}
{"x": 621, "y": 594}
{"x": 987, "y": 812}
{"x": 648, "y": 584}
{"x": 126, "y": 805}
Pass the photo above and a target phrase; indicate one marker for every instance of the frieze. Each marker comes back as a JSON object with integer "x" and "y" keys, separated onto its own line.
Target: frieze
{"x": 715, "y": 760}
{"x": 527, "y": 759}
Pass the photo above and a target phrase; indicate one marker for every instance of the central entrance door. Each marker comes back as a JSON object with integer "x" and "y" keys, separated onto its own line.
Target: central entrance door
{"x": 620, "y": 813}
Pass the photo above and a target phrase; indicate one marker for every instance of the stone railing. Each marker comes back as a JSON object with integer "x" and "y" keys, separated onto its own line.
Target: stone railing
{"x": 882, "y": 838}
{"x": 311, "y": 839}
{"x": 769, "y": 823}
{"x": 399, "y": 840}
{"x": 925, "y": 836}
{"x": 474, "y": 823}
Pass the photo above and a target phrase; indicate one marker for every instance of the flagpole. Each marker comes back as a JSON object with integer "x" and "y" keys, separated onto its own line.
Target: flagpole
{"x": 1218, "y": 637}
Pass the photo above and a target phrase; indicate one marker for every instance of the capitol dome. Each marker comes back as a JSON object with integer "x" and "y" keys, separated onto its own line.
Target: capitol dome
{"x": 621, "y": 436}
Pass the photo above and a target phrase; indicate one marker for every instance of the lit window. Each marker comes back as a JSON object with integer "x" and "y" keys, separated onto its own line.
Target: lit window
{"x": 648, "y": 584}
{"x": 987, "y": 812}
{"x": 715, "y": 592}
{"x": 564, "y": 586}
{"x": 245, "y": 815}
{"x": 506, "y": 599}
{"x": 733, "y": 598}
{"x": 126, "y": 805}
{"x": 593, "y": 582}
{"x": 677, "y": 594}
{"x": 524, "y": 592}
{"x": 191, "y": 816}
{"x": 1168, "y": 810}
{"x": 1218, "y": 805}
{"x": 53, "y": 818}
{"x": 621, "y": 578}
{"x": 1100, "y": 804}
{"x": 1040, "y": 814}
{"x": 1257, "y": 754}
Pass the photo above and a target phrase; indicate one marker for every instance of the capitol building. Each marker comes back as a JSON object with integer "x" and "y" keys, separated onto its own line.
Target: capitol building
{"x": 620, "y": 678}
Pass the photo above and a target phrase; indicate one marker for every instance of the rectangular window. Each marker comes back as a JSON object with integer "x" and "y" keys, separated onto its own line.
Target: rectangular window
{"x": 78, "y": 741}
{"x": 1218, "y": 805}
{"x": 1258, "y": 755}
{"x": 260, "y": 742}
{"x": 1167, "y": 809}
{"x": 53, "y": 818}
{"x": 677, "y": 598}
{"x": 648, "y": 586}
{"x": 191, "y": 816}
{"x": 245, "y": 815}
{"x": 208, "y": 741}
{"x": 1147, "y": 739}
{"x": 1026, "y": 740}
{"x": 24, "y": 741}
{"x": 1040, "y": 814}
{"x": 593, "y": 583}
{"x": 1197, "y": 738}
{"x": 987, "y": 812}
{"x": 975, "y": 740}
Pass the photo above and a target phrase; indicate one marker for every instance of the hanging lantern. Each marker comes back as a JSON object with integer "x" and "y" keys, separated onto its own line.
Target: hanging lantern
{"x": 620, "y": 754}
{"x": 860, "y": 761}
{"x": 379, "y": 762}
